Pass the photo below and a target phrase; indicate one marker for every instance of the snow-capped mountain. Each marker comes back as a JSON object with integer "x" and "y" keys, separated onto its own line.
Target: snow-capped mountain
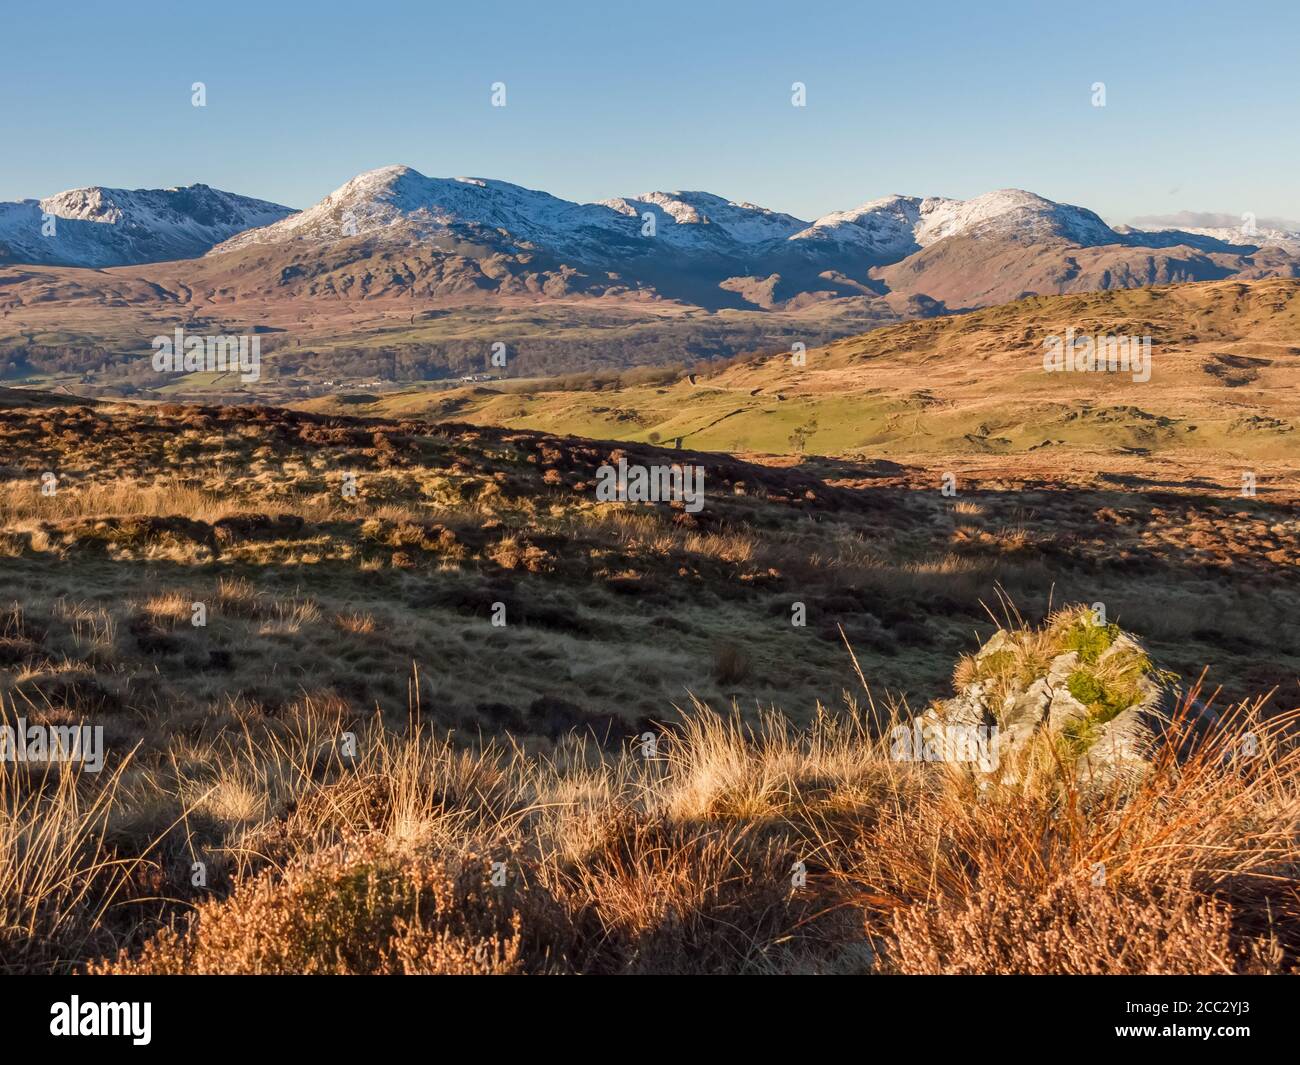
{"x": 900, "y": 225}
{"x": 1013, "y": 214}
{"x": 886, "y": 227}
{"x": 398, "y": 207}
{"x": 694, "y": 219}
{"x": 1227, "y": 229}
{"x": 396, "y": 232}
{"x": 116, "y": 227}
{"x": 399, "y": 204}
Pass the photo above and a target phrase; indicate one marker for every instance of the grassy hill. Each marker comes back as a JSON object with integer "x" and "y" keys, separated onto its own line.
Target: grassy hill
{"x": 425, "y": 646}
{"x": 1224, "y": 383}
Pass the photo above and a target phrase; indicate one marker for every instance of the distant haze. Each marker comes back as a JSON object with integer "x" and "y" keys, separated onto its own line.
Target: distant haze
{"x": 1207, "y": 220}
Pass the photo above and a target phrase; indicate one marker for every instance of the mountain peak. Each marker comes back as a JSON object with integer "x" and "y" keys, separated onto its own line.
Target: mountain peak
{"x": 101, "y": 226}
{"x": 695, "y": 232}
{"x": 400, "y": 204}
{"x": 1013, "y": 213}
{"x": 692, "y": 217}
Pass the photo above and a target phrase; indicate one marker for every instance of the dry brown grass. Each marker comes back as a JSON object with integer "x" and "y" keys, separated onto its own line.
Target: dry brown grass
{"x": 685, "y": 861}
{"x": 370, "y": 617}
{"x": 59, "y": 876}
{"x": 1159, "y": 930}
{"x": 354, "y": 909}
{"x": 23, "y": 501}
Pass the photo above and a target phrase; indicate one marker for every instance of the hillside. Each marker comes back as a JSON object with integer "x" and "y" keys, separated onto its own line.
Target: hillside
{"x": 396, "y": 278}
{"x": 1225, "y": 366}
{"x": 329, "y": 617}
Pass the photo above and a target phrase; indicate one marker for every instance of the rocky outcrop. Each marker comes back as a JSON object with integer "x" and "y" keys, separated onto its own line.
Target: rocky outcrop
{"x": 1078, "y": 693}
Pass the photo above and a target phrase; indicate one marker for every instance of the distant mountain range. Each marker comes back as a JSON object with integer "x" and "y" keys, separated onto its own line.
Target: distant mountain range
{"x": 118, "y": 227}
{"x": 400, "y": 205}
{"x": 395, "y": 232}
{"x": 1226, "y": 227}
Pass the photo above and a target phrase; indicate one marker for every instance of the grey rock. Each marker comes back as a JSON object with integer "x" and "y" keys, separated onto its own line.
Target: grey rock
{"x": 1118, "y": 751}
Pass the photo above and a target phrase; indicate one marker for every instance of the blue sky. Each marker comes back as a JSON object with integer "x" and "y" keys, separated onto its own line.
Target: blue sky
{"x": 608, "y": 99}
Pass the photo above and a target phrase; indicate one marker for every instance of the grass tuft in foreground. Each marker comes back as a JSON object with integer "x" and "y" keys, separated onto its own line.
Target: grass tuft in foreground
{"x": 738, "y": 848}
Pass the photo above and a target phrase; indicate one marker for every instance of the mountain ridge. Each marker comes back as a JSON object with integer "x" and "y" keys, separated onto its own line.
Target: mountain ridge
{"x": 406, "y": 273}
{"x": 398, "y": 204}
{"x": 97, "y": 226}
{"x": 381, "y": 200}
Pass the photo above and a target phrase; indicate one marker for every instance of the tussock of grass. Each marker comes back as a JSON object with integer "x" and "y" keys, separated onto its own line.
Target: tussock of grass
{"x": 1085, "y": 637}
{"x": 685, "y": 860}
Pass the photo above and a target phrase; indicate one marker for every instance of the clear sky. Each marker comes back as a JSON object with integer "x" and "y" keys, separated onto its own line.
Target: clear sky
{"x": 606, "y": 99}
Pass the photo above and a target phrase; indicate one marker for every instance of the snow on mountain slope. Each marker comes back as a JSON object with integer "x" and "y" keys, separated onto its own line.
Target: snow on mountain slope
{"x": 885, "y": 227}
{"x": 689, "y": 219}
{"x": 116, "y": 227}
{"x": 399, "y": 203}
{"x": 897, "y": 226}
{"x": 476, "y": 218}
{"x": 1011, "y": 213}
{"x": 1223, "y": 228}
